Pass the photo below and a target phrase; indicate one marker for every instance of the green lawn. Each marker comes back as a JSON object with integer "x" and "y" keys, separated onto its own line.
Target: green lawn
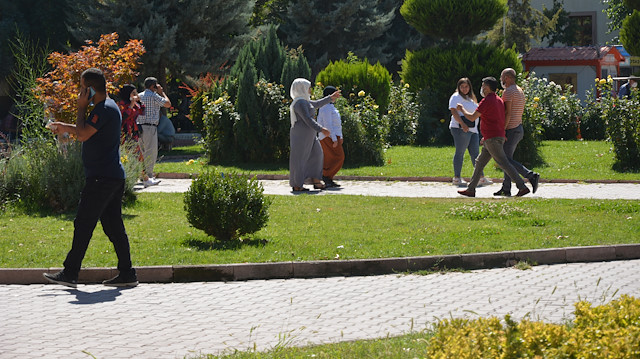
{"x": 304, "y": 228}
{"x": 578, "y": 160}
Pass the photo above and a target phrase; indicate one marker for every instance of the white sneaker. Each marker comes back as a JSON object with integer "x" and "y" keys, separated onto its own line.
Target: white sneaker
{"x": 150, "y": 182}
{"x": 484, "y": 181}
{"x": 457, "y": 181}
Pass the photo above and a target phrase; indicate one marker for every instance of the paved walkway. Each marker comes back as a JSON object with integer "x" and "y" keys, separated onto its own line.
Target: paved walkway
{"x": 431, "y": 189}
{"x": 185, "y": 319}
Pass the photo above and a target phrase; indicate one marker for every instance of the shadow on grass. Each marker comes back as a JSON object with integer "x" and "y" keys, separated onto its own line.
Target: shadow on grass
{"x": 215, "y": 245}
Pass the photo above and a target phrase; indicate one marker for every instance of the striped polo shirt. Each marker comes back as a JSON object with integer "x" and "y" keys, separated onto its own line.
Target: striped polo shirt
{"x": 514, "y": 94}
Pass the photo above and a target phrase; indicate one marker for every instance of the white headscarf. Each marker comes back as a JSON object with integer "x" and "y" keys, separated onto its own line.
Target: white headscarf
{"x": 299, "y": 91}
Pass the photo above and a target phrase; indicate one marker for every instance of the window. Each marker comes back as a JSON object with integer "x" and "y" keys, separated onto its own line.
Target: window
{"x": 583, "y": 25}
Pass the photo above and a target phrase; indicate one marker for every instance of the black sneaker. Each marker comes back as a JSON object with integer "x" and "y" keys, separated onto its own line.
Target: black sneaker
{"x": 61, "y": 278}
{"x": 534, "y": 181}
{"x": 503, "y": 193}
{"x": 121, "y": 280}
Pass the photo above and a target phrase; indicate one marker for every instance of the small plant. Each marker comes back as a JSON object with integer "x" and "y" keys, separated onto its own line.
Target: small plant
{"x": 226, "y": 205}
{"x": 485, "y": 210}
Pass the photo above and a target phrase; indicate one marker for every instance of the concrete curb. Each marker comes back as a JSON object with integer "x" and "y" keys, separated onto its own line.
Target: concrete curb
{"x": 332, "y": 268}
{"x": 170, "y": 175}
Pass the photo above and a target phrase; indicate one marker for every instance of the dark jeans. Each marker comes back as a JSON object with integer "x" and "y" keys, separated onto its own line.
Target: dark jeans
{"x": 101, "y": 199}
{"x": 514, "y": 136}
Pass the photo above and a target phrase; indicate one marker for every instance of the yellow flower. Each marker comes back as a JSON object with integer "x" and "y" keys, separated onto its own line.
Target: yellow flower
{"x": 269, "y": 85}
{"x": 597, "y": 79}
{"x": 375, "y": 107}
{"x": 319, "y": 83}
{"x": 442, "y": 120}
{"x": 535, "y": 105}
{"x": 609, "y": 79}
{"x": 191, "y": 162}
{"x": 602, "y": 81}
{"x": 563, "y": 98}
{"x": 536, "y": 99}
{"x": 361, "y": 93}
{"x": 406, "y": 85}
{"x": 124, "y": 159}
{"x": 390, "y": 112}
{"x": 218, "y": 101}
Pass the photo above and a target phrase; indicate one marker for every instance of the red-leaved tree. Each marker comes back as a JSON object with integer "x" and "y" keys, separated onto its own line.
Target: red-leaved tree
{"x": 59, "y": 88}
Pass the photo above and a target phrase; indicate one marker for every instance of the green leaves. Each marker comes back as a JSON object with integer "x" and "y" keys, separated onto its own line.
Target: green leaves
{"x": 630, "y": 33}
{"x": 453, "y": 19}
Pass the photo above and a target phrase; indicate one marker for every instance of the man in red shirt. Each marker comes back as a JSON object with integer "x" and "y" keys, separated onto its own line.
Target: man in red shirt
{"x": 491, "y": 108}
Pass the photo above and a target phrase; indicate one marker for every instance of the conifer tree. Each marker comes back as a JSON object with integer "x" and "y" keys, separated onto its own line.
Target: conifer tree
{"x": 329, "y": 29}
{"x": 185, "y": 37}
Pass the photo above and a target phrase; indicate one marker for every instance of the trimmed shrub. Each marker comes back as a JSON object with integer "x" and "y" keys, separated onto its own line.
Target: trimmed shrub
{"x": 630, "y": 33}
{"x": 352, "y": 76}
{"x": 592, "y": 123}
{"x": 439, "y": 69}
{"x": 441, "y": 18}
{"x": 226, "y": 205}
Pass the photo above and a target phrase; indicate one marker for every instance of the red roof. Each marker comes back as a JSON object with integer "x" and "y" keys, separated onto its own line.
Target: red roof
{"x": 575, "y": 53}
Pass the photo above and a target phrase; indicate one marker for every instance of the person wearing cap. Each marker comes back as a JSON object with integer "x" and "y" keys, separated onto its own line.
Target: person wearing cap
{"x": 305, "y": 158}
{"x": 625, "y": 90}
{"x": 491, "y": 108}
{"x": 329, "y": 117}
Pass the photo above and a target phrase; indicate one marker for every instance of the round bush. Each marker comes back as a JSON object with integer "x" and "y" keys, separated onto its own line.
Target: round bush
{"x": 630, "y": 33}
{"x": 226, "y": 205}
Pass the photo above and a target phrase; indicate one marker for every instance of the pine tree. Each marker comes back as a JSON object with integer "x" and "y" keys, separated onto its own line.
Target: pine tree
{"x": 329, "y": 29}
{"x": 185, "y": 37}
{"x": 248, "y": 130}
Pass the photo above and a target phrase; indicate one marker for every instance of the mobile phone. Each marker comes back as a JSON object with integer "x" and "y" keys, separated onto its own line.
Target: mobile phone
{"x": 92, "y": 92}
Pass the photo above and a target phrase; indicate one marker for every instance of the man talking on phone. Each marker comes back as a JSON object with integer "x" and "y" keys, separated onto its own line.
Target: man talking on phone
{"x": 153, "y": 98}
{"x": 101, "y": 197}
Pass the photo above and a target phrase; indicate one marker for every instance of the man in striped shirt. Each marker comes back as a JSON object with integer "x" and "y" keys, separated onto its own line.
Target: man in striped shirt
{"x": 514, "y": 102}
{"x": 153, "y": 98}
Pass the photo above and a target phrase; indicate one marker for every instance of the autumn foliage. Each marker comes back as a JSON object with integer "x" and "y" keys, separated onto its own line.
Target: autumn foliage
{"x": 60, "y": 87}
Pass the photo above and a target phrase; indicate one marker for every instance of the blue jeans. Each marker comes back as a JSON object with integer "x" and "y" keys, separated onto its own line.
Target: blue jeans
{"x": 464, "y": 141}
{"x": 100, "y": 200}
{"x": 514, "y": 136}
{"x": 493, "y": 148}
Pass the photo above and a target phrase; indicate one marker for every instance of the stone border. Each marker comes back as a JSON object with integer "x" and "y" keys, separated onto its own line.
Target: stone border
{"x": 332, "y": 268}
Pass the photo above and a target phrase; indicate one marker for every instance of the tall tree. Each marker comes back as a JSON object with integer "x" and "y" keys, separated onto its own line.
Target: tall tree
{"x": 522, "y": 25}
{"x": 616, "y": 11}
{"x": 565, "y": 30}
{"x": 40, "y": 21}
{"x": 329, "y": 29}
{"x": 183, "y": 37}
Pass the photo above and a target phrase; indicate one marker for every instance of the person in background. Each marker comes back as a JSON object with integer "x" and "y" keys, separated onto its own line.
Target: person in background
{"x": 625, "y": 90}
{"x": 153, "y": 98}
{"x": 514, "y": 101}
{"x": 491, "y": 108}
{"x": 305, "y": 158}
{"x": 464, "y": 132}
{"x": 101, "y": 197}
{"x": 329, "y": 118}
{"x": 130, "y": 108}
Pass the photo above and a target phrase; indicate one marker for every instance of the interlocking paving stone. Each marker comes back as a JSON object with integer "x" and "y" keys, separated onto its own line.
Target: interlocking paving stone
{"x": 175, "y": 320}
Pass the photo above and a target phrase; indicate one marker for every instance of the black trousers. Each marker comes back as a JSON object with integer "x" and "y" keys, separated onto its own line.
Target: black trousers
{"x": 101, "y": 199}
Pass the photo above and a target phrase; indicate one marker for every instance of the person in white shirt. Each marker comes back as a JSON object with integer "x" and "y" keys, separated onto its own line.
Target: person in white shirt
{"x": 153, "y": 98}
{"x": 464, "y": 132}
{"x": 329, "y": 117}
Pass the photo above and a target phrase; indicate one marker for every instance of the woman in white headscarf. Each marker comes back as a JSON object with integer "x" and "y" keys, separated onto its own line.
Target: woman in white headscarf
{"x": 305, "y": 159}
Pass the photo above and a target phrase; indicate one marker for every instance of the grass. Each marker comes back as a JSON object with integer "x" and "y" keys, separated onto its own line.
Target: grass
{"x": 413, "y": 345}
{"x": 578, "y": 160}
{"x": 330, "y": 227}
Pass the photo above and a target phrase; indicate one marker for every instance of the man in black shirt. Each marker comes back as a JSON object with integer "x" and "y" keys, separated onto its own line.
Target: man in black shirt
{"x": 101, "y": 197}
